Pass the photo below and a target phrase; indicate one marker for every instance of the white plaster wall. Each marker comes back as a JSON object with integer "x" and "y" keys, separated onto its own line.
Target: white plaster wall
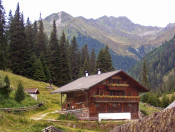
{"x": 33, "y": 96}
{"x": 114, "y": 116}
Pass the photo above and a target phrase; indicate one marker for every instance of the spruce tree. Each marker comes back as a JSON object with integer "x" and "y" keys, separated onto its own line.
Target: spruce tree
{"x": 7, "y": 89}
{"x": 3, "y": 41}
{"x": 144, "y": 75}
{"x": 20, "y": 94}
{"x": 92, "y": 63}
{"x": 74, "y": 59}
{"x": 64, "y": 68}
{"x": 45, "y": 68}
{"x": 108, "y": 60}
{"x": 39, "y": 73}
{"x": 40, "y": 41}
{"x": 101, "y": 60}
{"x": 53, "y": 54}
{"x": 18, "y": 51}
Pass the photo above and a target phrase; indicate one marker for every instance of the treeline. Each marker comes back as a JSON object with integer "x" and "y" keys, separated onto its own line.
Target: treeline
{"x": 26, "y": 50}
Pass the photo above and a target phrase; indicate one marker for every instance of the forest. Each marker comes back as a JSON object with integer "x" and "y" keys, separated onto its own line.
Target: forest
{"x": 26, "y": 50}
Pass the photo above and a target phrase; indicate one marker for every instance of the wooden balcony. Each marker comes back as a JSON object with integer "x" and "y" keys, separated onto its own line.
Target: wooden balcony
{"x": 108, "y": 98}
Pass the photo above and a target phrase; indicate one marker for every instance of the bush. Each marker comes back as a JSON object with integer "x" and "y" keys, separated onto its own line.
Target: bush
{"x": 67, "y": 116}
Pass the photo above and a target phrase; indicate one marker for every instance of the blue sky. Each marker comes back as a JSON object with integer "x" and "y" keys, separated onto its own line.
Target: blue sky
{"x": 144, "y": 12}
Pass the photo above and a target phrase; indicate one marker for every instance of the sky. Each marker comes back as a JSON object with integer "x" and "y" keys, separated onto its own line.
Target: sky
{"x": 144, "y": 12}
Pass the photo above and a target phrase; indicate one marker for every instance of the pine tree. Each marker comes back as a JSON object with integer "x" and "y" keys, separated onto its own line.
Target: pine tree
{"x": 101, "y": 60}
{"x": 7, "y": 89}
{"x": 108, "y": 60}
{"x": 54, "y": 54}
{"x": 144, "y": 75}
{"x": 74, "y": 59}
{"x": 92, "y": 62}
{"x": 20, "y": 94}
{"x": 64, "y": 68}
{"x": 45, "y": 68}
{"x": 35, "y": 26}
{"x": 18, "y": 53}
{"x": 30, "y": 34}
{"x": 40, "y": 41}
{"x": 3, "y": 41}
{"x": 39, "y": 74}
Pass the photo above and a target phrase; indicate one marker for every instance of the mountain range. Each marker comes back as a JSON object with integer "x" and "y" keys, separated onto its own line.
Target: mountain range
{"x": 125, "y": 39}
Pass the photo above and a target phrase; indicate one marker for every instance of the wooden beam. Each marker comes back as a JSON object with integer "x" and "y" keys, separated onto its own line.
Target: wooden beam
{"x": 61, "y": 100}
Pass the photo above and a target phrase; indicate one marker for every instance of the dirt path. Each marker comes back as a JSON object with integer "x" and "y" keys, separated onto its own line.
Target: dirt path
{"x": 41, "y": 115}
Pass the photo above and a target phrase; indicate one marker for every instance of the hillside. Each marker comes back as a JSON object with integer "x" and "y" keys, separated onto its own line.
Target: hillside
{"x": 161, "y": 67}
{"x": 163, "y": 121}
{"x": 119, "y": 33}
{"x": 51, "y": 101}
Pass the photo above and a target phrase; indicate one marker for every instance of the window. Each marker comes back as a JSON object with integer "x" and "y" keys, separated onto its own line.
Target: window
{"x": 124, "y": 93}
{"x": 129, "y": 93}
{"x": 130, "y": 105}
{"x": 114, "y": 105}
{"x": 97, "y": 105}
{"x": 101, "y": 92}
{"x": 97, "y": 91}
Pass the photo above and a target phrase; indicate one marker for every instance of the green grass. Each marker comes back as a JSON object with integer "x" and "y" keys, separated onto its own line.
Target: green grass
{"x": 146, "y": 109}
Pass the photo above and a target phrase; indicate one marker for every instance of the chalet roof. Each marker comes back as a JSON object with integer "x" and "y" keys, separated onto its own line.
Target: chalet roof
{"x": 32, "y": 91}
{"x": 87, "y": 82}
{"x": 171, "y": 105}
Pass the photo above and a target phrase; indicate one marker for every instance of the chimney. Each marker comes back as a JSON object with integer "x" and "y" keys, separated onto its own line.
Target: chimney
{"x": 99, "y": 72}
{"x": 86, "y": 73}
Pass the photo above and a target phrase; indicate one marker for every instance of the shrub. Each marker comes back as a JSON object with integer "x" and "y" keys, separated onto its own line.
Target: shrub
{"x": 67, "y": 116}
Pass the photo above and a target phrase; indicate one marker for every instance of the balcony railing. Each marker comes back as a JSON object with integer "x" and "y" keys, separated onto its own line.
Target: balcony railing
{"x": 108, "y": 98}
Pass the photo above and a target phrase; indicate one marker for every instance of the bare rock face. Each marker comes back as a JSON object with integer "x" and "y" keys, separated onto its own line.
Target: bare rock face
{"x": 163, "y": 121}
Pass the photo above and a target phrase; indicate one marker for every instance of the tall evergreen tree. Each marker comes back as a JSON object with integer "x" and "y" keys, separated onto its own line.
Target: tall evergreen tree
{"x": 108, "y": 60}
{"x": 92, "y": 67}
{"x": 40, "y": 42}
{"x": 35, "y": 26}
{"x": 3, "y": 41}
{"x": 39, "y": 73}
{"x": 45, "y": 68}
{"x": 20, "y": 94}
{"x": 53, "y": 54}
{"x": 144, "y": 75}
{"x": 101, "y": 60}
{"x": 74, "y": 59}
{"x": 30, "y": 34}
{"x": 64, "y": 68}
{"x": 104, "y": 61}
{"x": 18, "y": 53}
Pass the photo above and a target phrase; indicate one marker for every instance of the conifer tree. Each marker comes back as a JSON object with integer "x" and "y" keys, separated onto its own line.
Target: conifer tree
{"x": 7, "y": 89}
{"x": 35, "y": 26}
{"x": 18, "y": 53}
{"x": 64, "y": 68}
{"x": 74, "y": 59}
{"x": 30, "y": 34}
{"x": 45, "y": 68}
{"x": 144, "y": 75}
{"x": 39, "y": 74}
{"x": 104, "y": 61}
{"x": 20, "y": 94}
{"x": 3, "y": 41}
{"x": 108, "y": 60}
{"x": 40, "y": 41}
{"x": 54, "y": 54}
{"x": 92, "y": 62}
{"x": 101, "y": 60}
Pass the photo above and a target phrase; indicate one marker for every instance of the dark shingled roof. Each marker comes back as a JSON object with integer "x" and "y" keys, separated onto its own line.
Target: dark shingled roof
{"x": 84, "y": 83}
{"x": 32, "y": 91}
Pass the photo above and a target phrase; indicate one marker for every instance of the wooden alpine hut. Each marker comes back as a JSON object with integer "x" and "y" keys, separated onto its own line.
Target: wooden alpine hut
{"x": 111, "y": 95}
